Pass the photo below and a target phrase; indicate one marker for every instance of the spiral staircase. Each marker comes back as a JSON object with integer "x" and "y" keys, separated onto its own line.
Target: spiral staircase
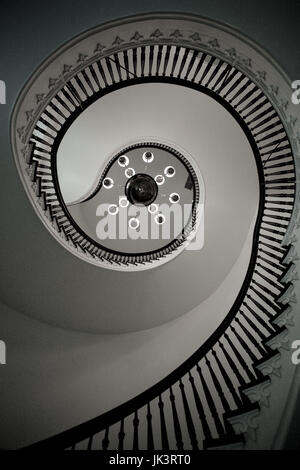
{"x": 213, "y": 399}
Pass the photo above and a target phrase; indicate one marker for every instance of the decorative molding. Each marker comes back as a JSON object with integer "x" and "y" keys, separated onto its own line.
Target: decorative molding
{"x": 270, "y": 366}
{"x": 279, "y": 341}
{"x": 284, "y": 318}
{"x": 288, "y": 296}
{"x": 259, "y": 393}
{"x": 246, "y": 423}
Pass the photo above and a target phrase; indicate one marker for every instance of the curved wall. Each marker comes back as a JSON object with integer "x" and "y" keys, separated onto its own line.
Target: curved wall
{"x": 62, "y": 372}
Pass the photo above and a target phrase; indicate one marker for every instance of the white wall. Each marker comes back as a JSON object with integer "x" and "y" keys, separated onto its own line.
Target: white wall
{"x": 55, "y": 379}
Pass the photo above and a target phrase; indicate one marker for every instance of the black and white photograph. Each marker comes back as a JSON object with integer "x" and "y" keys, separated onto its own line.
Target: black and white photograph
{"x": 150, "y": 230}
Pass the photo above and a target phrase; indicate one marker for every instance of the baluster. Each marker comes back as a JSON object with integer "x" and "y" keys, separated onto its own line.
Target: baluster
{"x": 206, "y": 70}
{"x": 73, "y": 96}
{"x": 278, "y": 172}
{"x": 272, "y": 239}
{"x": 134, "y": 60}
{"x": 150, "y": 442}
{"x": 105, "y": 441}
{"x": 253, "y": 326}
{"x": 96, "y": 79}
{"x": 265, "y": 299}
{"x": 258, "y": 116}
{"x": 164, "y": 435}
{"x": 143, "y": 60}
{"x": 188, "y": 417}
{"x": 176, "y": 422}
{"x": 151, "y": 54}
{"x": 235, "y": 84}
{"x": 272, "y": 230}
{"x": 277, "y": 213}
{"x": 276, "y": 224}
{"x": 280, "y": 223}
{"x": 240, "y": 358}
{"x": 126, "y": 63}
{"x": 251, "y": 337}
{"x": 261, "y": 115}
{"x": 284, "y": 186}
{"x": 158, "y": 58}
{"x": 232, "y": 364}
{"x": 213, "y": 74}
{"x": 88, "y": 81}
{"x": 191, "y": 64}
{"x": 260, "y": 307}
{"x": 244, "y": 344}
{"x": 167, "y": 58}
{"x": 199, "y": 65}
{"x": 121, "y": 435}
{"x": 222, "y": 79}
{"x": 103, "y": 75}
{"x": 286, "y": 205}
{"x": 200, "y": 409}
{"x": 265, "y": 289}
{"x": 239, "y": 91}
{"x": 82, "y": 87}
{"x": 265, "y": 128}
{"x": 117, "y": 63}
{"x": 108, "y": 61}
{"x": 282, "y": 250}
{"x": 227, "y": 379}
{"x": 278, "y": 196}
{"x": 33, "y": 175}
{"x": 219, "y": 390}
{"x": 211, "y": 404}
{"x": 135, "y": 421}
{"x": 68, "y": 95}
{"x": 183, "y": 62}
{"x": 259, "y": 319}
{"x": 282, "y": 164}
{"x": 278, "y": 202}
{"x": 90, "y": 443}
{"x": 279, "y": 257}
{"x": 269, "y": 271}
{"x": 175, "y": 60}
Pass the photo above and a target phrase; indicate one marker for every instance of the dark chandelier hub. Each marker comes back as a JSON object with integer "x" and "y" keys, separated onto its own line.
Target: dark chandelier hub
{"x": 141, "y": 189}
